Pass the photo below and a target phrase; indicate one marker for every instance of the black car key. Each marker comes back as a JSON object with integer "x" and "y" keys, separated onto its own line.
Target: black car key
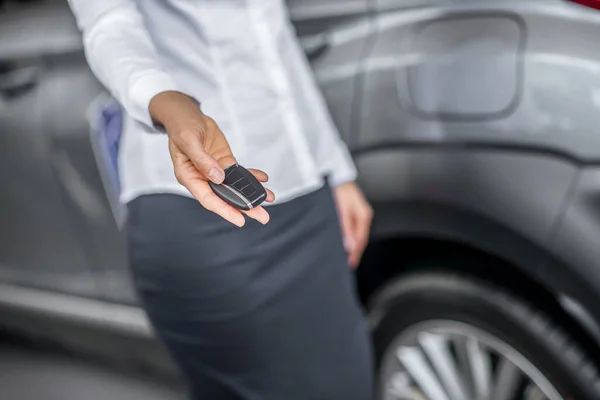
{"x": 240, "y": 188}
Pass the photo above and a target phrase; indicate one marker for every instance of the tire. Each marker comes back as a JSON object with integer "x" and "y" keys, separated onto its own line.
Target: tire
{"x": 464, "y": 306}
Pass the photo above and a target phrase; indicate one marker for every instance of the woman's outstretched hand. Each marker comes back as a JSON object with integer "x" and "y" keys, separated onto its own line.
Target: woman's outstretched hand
{"x": 200, "y": 153}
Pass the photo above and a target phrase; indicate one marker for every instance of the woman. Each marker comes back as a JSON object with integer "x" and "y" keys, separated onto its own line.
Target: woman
{"x": 266, "y": 311}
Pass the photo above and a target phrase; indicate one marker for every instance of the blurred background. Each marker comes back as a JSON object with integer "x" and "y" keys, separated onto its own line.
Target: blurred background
{"x": 474, "y": 126}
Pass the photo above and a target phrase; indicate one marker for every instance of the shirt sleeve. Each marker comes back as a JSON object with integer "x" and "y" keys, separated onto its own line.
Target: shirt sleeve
{"x": 121, "y": 54}
{"x": 342, "y": 168}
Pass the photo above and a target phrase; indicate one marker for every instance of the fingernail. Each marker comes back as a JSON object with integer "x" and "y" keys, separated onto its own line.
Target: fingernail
{"x": 216, "y": 175}
{"x": 240, "y": 223}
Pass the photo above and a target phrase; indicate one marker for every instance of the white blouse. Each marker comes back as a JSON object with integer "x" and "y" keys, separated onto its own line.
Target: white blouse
{"x": 241, "y": 60}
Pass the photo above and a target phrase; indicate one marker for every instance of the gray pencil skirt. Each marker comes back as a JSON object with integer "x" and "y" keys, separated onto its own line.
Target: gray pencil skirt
{"x": 258, "y": 313}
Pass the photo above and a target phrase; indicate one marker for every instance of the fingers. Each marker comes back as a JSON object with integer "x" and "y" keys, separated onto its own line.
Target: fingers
{"x": 270, "y": 196}
{"x": 227, "y": 161}
{"x": 209, "y": 200}
{"x": 263, "y": 177}
{"x": 354, "y": 250}
{"x": 188, "y": 174}
{"x": 347, "y": 228}
{"x": 260, "y": 175}
{"x": 212, "y": 202}
{"x": 361, "y": 227}
{"x": 355, "y": 220}
{"x": 259, "y": 214}
{"x": 200, "y": 189}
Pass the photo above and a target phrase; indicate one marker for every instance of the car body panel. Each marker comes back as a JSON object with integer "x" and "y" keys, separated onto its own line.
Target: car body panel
{"x": 76, "y": 92}
{"x": 549, "y": 96}
{"x": 39, "y": 246}
{"x": 573, "y": 265}
{"x": 478, "y": 197}
{"x": 470, "y": 121}
{"x": 520, "y": 141}
{"x": 335, "y": 36}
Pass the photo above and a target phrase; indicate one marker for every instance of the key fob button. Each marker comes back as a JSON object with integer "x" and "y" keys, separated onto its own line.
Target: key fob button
{"x": 248, "y": 190}
{"x": 240, "y": 184}
{"x": 240, "y": 188}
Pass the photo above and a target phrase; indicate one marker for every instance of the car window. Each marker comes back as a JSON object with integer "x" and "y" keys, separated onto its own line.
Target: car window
{"x": 34, "y": 28}
{"x": 8, "y": 4}
{"x": 312, "y": 8}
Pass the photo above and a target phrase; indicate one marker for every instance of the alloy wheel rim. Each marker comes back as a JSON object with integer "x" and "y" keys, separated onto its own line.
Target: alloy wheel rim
{"x": 449, "y": 360}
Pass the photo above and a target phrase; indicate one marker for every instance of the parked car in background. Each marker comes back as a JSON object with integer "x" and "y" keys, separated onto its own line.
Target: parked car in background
{"x": 475, "y": 128}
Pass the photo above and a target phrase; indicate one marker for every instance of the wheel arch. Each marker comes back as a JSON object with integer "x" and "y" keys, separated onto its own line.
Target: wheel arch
{"x": 412, "y": 237}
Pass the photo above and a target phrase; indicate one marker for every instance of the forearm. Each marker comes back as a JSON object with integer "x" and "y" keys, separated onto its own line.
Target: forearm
{"x": 121, "y": 54}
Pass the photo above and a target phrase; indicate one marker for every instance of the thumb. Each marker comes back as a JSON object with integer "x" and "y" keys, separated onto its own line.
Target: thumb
{"x": 208, "y": 166}
{"x": 204, "y": 162}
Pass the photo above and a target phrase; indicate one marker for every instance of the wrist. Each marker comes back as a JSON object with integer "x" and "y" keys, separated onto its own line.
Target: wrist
{"x": 165, "y": 107}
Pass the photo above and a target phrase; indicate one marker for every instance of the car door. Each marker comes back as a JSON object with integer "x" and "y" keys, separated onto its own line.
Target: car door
{"x": 38, "y": 245}
{"x": 335, "y": 35}
{"x": 74, "y": 101}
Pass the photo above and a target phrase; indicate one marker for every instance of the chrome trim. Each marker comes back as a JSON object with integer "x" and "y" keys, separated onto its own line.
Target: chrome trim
{"x": 238, "y": 194}
{"x": 121, "y": 318}
{"x": 262, "y": 196}
{"x": 574, "y": 308}
{"x": 450, "y": 360}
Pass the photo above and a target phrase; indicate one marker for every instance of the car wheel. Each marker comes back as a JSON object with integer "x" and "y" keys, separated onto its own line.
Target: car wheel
{"x": 441, "y": 336}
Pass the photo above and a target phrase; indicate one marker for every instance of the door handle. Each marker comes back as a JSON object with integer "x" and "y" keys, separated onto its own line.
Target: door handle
{"x": 316, "y": 46}
{"x": 18, "y": 81}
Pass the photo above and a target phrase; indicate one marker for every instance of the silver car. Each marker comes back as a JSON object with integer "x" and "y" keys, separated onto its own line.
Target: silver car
{"x": 475, "y": 125}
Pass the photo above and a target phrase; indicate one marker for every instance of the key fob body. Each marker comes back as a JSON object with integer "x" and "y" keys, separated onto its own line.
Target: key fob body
{"x": 240, "y": 188}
